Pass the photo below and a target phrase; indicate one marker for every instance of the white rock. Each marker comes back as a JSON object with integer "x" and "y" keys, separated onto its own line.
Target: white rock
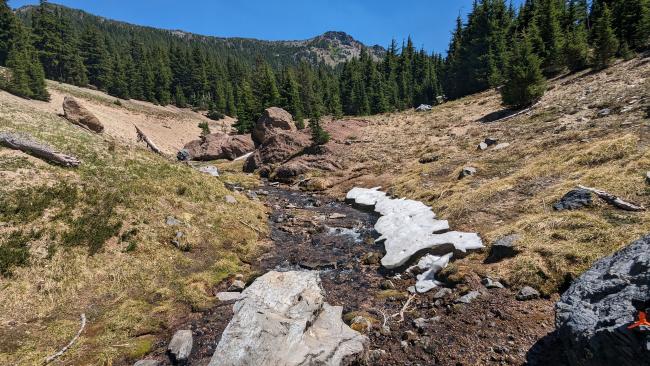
{"x": 210, "y": 169}
{"x": 228, "y": 296}
{"x": 283, "y": 320}
{"x": 180, "y": 346}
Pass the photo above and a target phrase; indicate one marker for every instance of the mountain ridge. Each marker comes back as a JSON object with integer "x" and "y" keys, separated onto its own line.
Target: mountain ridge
{"x": 331, "y": 48}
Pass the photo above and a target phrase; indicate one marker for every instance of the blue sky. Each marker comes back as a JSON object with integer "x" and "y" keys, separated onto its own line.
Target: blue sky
{"x": 429, "y": 22}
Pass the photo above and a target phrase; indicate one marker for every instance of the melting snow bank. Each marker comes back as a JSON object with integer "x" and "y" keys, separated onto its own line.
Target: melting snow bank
{"x": 408, "y": 227}
{"x": 282, "y": 319}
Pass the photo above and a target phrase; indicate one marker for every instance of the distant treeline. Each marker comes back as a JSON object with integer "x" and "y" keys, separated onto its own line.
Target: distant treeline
{"x": 496, "y": 46}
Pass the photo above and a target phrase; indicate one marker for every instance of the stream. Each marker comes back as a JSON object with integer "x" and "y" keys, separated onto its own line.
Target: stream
{"x": 311, "y": 231}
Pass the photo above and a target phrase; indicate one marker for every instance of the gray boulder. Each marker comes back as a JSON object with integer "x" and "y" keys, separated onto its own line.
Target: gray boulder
{"x": 180, "y": 347}
{"x": 527, "y": 293}
{"x": 574, "y": 199}
{"x": 592, "y": 316}
{"x": 282, "y": 319}
{"x": 503, "y": 248}
{"x": 423, "y": 108}
{"x": 469, "y": 297}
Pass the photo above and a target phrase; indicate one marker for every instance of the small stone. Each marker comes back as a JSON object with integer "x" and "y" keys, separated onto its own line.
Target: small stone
{"x": 490, "y": 283}
{"x": 443, "y": 292}
{"x": 466, "y": 172}
{"x": 421, "y": 323}
{"x": 252, "y": 196}
{"x": 172, "y": 221}
{"x": 262, "y": 192}
{"x": 469, "y": 297}
{"x": 489, "y": 141}
{"x": 501, "y": 146}
{"x": 335, "y": 216}
{"x": 426, "y": 159}
{"x": 482, "y": 146}
{"x": 228, "y": 296}
{"x": 412, "y": 290}
{"x": 527, "y": 293}
{"x": 147, "y": 363}
{"x": 179, "y": 242}
{"x": 387, "y": 285}
{"x": 647, "y": 178}
{"x": 230, "y": 199}
{"x": 237, "y": 286}
{"x": 180, "y": 347}
{"x": 604, "y": 112}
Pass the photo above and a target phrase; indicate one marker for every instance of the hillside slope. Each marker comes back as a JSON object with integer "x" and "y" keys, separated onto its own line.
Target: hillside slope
{"x": 97, "y": 240}
{"x": 590, "y": 129}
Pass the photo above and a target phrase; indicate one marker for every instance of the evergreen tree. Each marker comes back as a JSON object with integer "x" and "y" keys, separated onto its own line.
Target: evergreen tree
{"x": 525, "y": 83}
{"x": 96, "y": 58}
{"x": 576, "y": 49}
{"x": 6, "y": 20}
{"x": 318, "y": 135}
{"x": 605, "y": 42}
{"x": 246, "y": 112}
{"x": 26, "y": 77}
{"x": 291, "y": 98}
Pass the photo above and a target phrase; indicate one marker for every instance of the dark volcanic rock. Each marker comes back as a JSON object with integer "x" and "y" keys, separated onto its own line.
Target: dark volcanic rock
{"x": 592, "y": 316}
{"x": 574, "y": 199}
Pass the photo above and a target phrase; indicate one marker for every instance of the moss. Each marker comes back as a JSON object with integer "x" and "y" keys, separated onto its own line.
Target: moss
{"x": 14, "y": 251}
{"x": 141, "y": 347}
{"x": 395, "y": 294}
{"x": 28, "y": 204}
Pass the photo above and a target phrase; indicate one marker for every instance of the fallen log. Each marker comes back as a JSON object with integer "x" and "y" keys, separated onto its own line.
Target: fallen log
{"x": 72, "y": 342}
{"x": 614, "y": 200}
{"x": 24, "y": 144}
{"x": 147, "y": 140}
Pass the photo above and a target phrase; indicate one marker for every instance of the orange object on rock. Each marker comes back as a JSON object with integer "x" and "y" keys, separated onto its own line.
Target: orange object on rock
{"x": 643, "y": 321}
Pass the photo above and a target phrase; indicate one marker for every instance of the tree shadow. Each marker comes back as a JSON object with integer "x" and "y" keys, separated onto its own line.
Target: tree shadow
{"x": 495, "y": 116}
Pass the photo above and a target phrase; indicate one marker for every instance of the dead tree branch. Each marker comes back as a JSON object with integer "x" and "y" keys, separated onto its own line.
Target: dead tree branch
{"x": 72, "y": 342}
{"x": 17, "y": 142}
{"x": 614, "y": 200}
{"x": 147, "y": 140}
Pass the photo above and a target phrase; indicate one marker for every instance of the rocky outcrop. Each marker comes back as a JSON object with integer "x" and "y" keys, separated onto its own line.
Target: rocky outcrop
{"x": 291, "y": 170}
{"x": 282, "y": 319}
{"x": 217, "y": 146}
{"x": 273, "y": 120}
{"x": 77, "y": 114}
{"x": 277, "y": 149}
{"x": 592, "y": 316}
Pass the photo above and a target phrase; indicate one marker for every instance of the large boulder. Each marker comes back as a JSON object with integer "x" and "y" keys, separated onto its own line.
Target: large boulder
{"x": 77, "y": 114}
{"x": 282, "y": 319}
{"x": 277, "y": 149}
{"x": 218, "y": 146}
{"x": 593, "y": 315}
{"x": 273, "y": 120}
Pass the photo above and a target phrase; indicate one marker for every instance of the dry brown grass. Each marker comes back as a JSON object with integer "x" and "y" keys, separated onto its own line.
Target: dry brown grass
{"x": 558, "y": 145}
{"x": 138, "y": 285}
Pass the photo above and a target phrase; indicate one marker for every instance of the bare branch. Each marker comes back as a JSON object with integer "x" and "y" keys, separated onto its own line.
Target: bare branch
{"x": 24, "y": 144}
{"x": 72, "y": 342}
{"x": 614, "y": 200}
